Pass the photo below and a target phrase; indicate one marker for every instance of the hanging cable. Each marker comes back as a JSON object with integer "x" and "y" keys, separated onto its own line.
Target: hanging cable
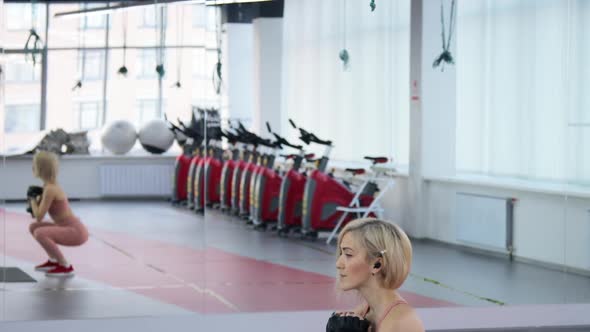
{"x": 446, "y": 56}
{"x": 179, "y": 42}
{"x": 343, "y": 55}
{"x": 159, "y": 27}
{"x": 82, "y": 52}
{"x": 217, "y": 79}
{"x": 123, "y": 70}
{"x": 34, "y": 42}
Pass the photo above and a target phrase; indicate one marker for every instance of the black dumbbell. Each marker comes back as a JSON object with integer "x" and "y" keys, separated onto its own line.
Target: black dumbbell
{"x": 33, "y": 192}
{"x": 338, "y": 323}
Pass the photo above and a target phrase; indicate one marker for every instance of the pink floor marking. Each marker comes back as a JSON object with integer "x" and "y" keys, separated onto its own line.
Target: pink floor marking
{"x": 178, "y": 275}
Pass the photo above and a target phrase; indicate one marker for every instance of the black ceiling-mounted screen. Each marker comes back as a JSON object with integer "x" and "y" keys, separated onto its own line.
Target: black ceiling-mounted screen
{"x": 246, "y": 12}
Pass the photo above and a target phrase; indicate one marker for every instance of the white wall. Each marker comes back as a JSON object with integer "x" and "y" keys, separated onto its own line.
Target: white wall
{"x": 396, "y": 203}
{"x": 432, "y": 116}
{"x": 548, "y": 228}
{"x": 268, "y": 36}
{"x": 362, "y": 107}
{"x": 416, "y": 203}
{"x": 78, "y": 175}
{"x": 438, "y": 97}
{"x": 240, "y": 71}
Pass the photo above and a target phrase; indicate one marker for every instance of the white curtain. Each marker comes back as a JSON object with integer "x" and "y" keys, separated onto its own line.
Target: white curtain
{"x": 522, "y": 81}
{"x": 364, "y": 110}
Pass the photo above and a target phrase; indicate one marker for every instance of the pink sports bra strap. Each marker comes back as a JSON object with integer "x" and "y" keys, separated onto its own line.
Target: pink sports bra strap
{"x": 391, "y": 306}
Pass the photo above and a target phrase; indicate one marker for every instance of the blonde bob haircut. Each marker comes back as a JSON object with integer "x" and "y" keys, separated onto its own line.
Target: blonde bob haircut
{"x": 386, "y": 240}
{"x": 46, "y": 165}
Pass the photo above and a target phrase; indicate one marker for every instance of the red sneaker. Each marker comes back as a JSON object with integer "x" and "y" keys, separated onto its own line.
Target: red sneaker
{"x": 61, "y": 271}
{"x": 49, "y": 265}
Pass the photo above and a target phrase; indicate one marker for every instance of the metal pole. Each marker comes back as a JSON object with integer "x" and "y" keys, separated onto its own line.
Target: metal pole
{"x": 43, "y": 115}
{"x": 106, "y": 72}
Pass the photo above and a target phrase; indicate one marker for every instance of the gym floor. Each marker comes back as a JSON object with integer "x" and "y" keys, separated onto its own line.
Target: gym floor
{"x": 147, "y": 258}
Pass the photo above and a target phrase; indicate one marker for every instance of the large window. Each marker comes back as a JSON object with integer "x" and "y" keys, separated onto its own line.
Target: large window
{"x": 364, "y": 107}
{"x": 21, "y": 98}
{"x": 22, "y": 71}
{"x": 94, "y": 21}
{"x": 199, "y": 16}
{"x": 23, "y": 16}
{"x": 151, "y": 16}
{"x": 212, "y": 17}
{"x": 522, "y": 79}
{"x": 21, "y": 118}
{"x": 147, "y": 60}
{"x": 147, "y": 109}
{"x": 88, "y": 115}
{"x": 17, "y": 20}
{"x": 77, "y": 49}
{"x": 203, "y": 63}
{"x": 91, "y": 64}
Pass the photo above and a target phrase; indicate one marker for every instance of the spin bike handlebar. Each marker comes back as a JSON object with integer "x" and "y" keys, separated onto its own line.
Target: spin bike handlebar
{"x": 308, "y": 137}
{"x": 267, "y": 143}
{"x": 246, "y": 136}
{"x": 231, "y": 137}
{"x": 251, "y": 138}
{"x": 189, "y": 131}
{"x": 281, "y": 140}
{"x": 173, "y": 127}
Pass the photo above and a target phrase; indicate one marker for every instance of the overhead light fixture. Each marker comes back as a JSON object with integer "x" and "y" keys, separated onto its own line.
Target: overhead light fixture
{"x": 229, "y": 2}
{"x": 121, "y": 7}
{"x": 135, "y": 5}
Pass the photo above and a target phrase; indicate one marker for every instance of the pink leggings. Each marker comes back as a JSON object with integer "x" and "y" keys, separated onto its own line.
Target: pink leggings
{"x": 66, "y": 233}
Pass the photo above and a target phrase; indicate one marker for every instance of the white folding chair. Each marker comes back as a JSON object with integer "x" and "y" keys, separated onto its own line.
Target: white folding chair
{"x": 363, "y": 211}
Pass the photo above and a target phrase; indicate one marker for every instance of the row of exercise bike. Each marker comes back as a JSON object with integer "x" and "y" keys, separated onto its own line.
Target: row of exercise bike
{"x": 244, "y": 179}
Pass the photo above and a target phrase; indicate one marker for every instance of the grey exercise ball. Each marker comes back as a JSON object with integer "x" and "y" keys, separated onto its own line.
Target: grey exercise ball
{"x": 156, "y": 137}
{"x": 119, "y": 137}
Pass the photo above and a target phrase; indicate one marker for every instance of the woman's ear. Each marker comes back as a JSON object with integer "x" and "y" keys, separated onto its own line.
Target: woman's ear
{"x": 377, "y": 265}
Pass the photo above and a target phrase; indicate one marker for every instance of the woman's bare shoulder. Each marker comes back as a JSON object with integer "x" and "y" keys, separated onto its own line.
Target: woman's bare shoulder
{"x": 55, "y": 190}
{"x": 403, "y": 318}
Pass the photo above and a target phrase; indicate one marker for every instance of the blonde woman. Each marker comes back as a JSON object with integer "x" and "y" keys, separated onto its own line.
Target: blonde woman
{"x": 374, "y": 258}
{"x": 66, "y": 230}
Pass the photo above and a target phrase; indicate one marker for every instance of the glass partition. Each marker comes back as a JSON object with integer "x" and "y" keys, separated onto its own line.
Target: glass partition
{"x": 527, "y": 146}
{"x": 2, "y": 165}
{"x": 118, "y": 138}
{"x": 195, "y": 207}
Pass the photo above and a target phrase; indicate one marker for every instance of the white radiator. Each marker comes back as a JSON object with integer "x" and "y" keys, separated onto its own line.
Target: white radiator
{"x": 136, "y": 180}
{"x": 484, "y": 221}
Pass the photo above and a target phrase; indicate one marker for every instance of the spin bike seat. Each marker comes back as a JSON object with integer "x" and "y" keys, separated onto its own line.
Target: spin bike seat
{"x": 356, "y": 171}
{"x": 377, "y": 160}
{"x": 307, "y": 157}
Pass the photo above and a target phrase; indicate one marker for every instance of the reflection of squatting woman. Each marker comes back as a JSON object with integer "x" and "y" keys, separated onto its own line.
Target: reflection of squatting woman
{"x": 67, "y": 230}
